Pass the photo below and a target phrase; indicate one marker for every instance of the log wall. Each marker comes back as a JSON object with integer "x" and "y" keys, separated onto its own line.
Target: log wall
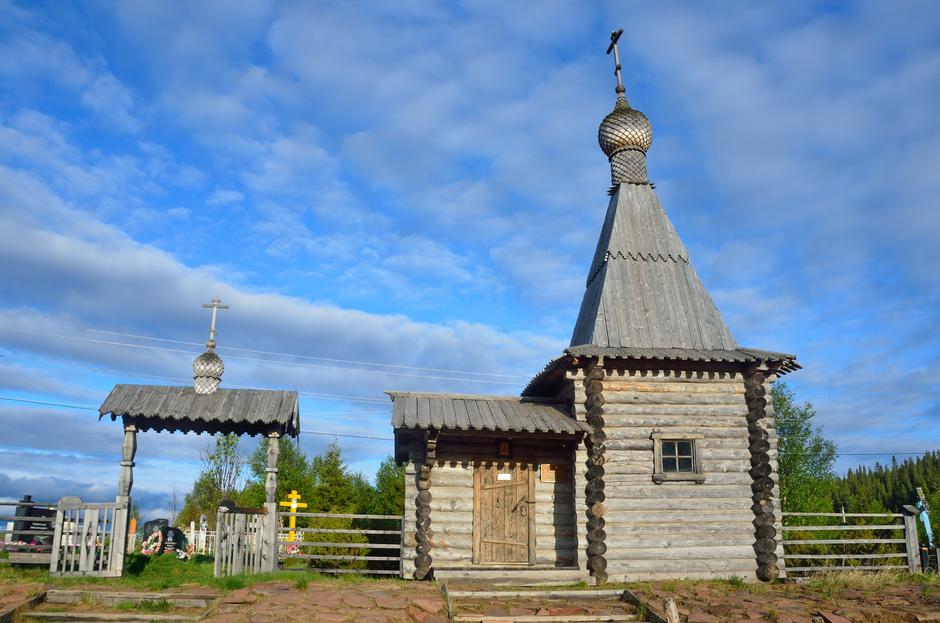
{"x": 675, "y": 529}
{"x": 451, "y": 490}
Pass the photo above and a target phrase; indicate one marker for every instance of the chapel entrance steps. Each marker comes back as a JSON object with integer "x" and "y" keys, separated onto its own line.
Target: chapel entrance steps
{"x": 105, "y": 606}
{"x": 472, "y": 602}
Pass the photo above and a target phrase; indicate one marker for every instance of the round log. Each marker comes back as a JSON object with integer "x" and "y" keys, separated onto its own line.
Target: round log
{"x": 761, "y": 470}
{"x": 597, "y": 535}
{"x": 757, "y": 403}
{"x": 595, "y": 523}
{"x": 423, "y": 497}
{"x": 761, "y": 445}
{"x": 763, "y": 485}
{"x": 423, "y": 548}
{"x": 597, "y": 564}
{"x": 598, "y": 437}
{"x": 754, "y": 391}
{"x": 767, "y": 559}
{"x": 594, "y": 387}
{"x": 595, "y": 471}
{"x": 596, "y": 498}
{"x": 598, "y": 509}
{"x": 595, "y": 374}
{"x": 423, "y": 561}
{"x": 765, "y": 532}
{"x": 768, "y": 573}
{"x": 755, "y": 414}
{"x": 760, "y": 457}
{"x": 764, "y": 519}
{"x": 763, "y": 507}
{"x": 765, "y": 546}
{"x": 757, "y": 434}
{"x": 595, "y": 400}
{"x": 596, "y": 421}
{"x": 598, "y": 548}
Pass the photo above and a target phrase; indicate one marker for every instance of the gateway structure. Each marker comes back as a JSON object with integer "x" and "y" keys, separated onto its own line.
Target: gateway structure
{"x": 646, "y": 450}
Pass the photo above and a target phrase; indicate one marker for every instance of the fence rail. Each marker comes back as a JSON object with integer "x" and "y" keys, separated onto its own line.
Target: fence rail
{"x": 371, "y": 545}
{"x": 27, "y": 529}
{"x": 838, "y": 546}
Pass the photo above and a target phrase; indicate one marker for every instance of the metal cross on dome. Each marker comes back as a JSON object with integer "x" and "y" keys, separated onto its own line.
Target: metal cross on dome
{"x": 614, "y": 38}
{"x": 215, "y": 306}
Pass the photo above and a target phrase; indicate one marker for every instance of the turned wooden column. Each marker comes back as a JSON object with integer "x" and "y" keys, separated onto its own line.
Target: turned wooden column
{"x": 129, "y": 449}
{"x": 270, "y": 479}
{"x": 594, "y": 489}
{"x": 423, "y": 531}
{"x": 762, "y": 474}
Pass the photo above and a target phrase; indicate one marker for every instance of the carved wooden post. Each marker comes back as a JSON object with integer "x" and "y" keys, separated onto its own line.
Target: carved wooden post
{"x": 594, "y": 490}
{"x": 270, "y": 479}
{"x": 423, "y": 532}
{"x": 765, "y": 532}
{"x": 129, "y": 449}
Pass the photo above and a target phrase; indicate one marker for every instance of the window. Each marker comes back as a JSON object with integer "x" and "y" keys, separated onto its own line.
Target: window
{"x": 676, "y": 458}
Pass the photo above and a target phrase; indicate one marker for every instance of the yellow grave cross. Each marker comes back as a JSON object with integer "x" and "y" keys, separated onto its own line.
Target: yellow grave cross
{"x": 293, "y": 503}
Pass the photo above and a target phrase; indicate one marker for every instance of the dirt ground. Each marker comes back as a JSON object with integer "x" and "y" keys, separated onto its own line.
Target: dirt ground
{"x": 381, "y": 601}
{"x": 847, "y": 598}
{"x": 861, "y": 598}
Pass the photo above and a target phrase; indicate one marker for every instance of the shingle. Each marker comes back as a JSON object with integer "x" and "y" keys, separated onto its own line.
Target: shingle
{"x": 244, "y": 411}
{"x": 491, "y": 413}
{"x": 641, "y": 289}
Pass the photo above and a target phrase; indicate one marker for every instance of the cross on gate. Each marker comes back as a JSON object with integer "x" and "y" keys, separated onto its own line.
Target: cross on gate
{"x": 293, "y": 502}
{"x": 215, "y": 305}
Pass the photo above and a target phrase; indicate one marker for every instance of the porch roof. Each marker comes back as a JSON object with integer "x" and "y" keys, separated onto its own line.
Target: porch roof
{"x": 172, "y": 408}
{"x": 420, "y": 411}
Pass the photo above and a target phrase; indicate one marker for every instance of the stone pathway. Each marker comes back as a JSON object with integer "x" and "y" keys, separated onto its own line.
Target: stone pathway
{"x": 384, "y": 601}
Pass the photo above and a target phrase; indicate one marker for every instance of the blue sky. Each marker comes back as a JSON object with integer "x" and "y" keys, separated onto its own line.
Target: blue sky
{"x": 418, "y": 185}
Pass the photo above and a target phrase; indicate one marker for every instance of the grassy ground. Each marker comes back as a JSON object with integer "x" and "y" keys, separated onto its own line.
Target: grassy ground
{"x": 165, "y": 572}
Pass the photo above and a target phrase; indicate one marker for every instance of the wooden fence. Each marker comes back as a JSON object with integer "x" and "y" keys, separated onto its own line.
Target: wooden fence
{"x": 820, "y": 542}
{"x": 244, "y": 541}
{"x": 341, "y": 543}
{"x": 26, "y": 531}
{"x": 89, "y": 539}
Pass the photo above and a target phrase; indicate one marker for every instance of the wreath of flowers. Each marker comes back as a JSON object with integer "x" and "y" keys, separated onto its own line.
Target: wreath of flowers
{"x": 152, "y": 543}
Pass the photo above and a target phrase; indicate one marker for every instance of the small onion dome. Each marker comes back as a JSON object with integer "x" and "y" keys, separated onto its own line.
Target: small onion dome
{"x": 624, "y": 128}
{"x": 207, "y": 372}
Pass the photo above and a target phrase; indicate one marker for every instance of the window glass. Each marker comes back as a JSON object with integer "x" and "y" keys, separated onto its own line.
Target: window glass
{"x": 677, "y": 456}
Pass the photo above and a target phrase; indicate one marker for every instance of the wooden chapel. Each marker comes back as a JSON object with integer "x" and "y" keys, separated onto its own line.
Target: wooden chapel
{"x": 646, "y": 450}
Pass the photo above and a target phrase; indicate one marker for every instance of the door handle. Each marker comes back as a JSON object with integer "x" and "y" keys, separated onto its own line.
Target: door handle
{"x": 518, "y": 503}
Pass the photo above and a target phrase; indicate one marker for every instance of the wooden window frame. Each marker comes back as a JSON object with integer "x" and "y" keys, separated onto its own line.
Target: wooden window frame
{"x": 697, "y": 474}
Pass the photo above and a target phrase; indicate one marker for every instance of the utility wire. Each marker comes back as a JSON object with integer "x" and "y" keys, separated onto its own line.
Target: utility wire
{"x": 85, "y": 408}
{"x": 313, "y": 432}
{"x": 264, "y": 352}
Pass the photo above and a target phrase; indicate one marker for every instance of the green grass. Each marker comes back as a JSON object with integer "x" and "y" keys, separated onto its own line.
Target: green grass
{"x": 160, "y": 573}
{"x": 145, "y": 605}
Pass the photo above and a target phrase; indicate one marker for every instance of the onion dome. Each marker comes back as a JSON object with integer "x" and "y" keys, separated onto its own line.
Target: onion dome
{"x": 624, "y": 136}
{"x": 624, "y": 128}
{"x": 208, "y": 367}
{"x": 207, "y": 372}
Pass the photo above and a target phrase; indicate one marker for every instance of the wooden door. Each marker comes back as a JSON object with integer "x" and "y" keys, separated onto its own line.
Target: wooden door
{"x": 503, "y": 514}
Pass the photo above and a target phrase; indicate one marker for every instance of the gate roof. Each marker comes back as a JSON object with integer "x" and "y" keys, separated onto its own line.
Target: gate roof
{"x": 173, "y": 408}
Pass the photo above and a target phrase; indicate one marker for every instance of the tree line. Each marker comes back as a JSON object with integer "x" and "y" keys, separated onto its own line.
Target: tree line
{"x": 809, "y": 482}
{"x": 323, "y": 481}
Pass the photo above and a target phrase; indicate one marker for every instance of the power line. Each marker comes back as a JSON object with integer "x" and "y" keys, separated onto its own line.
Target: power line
{"x": 260, "y": 360}
{"x": 312, "y": 432}
{"x": 86, "y": 408}
{"x": 518, "y": 377}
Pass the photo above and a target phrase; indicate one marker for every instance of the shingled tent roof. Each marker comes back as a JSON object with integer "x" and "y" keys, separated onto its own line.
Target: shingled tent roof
{"x": 642, "y": 291}
{"x": 172, "y": 408}
{"x": 462, "y": 412}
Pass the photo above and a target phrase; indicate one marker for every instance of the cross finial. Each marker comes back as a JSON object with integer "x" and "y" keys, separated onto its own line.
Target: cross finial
{"x": 614, "y": 38}
{"x": 215, "y": 306}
